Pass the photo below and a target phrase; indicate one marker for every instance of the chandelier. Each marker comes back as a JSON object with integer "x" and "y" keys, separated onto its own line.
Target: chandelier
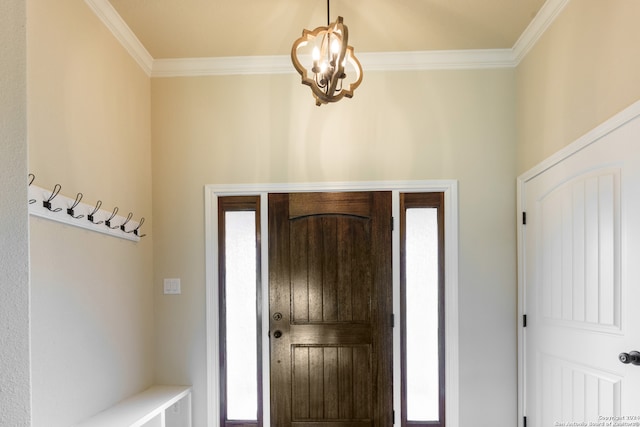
{"x": 332, "y": 71}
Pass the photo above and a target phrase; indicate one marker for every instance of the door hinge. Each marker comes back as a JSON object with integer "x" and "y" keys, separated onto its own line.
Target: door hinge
{"x": 524, "y": 218}
{"x": 524, "y": 422}
{"x": 524, "y": 320}
{"x": 393, "y": 320}
{"x": 393, "y": 416}
{"x": 392, "y": 223}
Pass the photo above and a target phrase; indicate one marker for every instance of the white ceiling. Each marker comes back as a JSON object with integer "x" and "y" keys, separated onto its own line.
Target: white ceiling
{"x": 224, "y": 28}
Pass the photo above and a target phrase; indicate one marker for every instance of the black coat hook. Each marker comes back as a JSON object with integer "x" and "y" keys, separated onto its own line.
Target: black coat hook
{"x": 122, "y": 226}
{"x": 47, "y": 203}
{"x": 32, "y": 178}
{"x": 70, "y": 210}
{"x": 136, "y": 230}
{"x": 96, "y": 209}
{"x": 108, "y": 221}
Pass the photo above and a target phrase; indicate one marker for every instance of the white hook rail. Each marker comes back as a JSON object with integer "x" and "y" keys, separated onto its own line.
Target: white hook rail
{"x": 77, "y": 214}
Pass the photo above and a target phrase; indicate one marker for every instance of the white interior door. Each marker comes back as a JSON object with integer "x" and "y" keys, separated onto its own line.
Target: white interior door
{"x": 582, "y": 284}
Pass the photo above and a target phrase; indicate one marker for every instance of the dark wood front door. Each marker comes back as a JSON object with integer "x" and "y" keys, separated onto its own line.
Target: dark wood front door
{"x": 330, "y": 309}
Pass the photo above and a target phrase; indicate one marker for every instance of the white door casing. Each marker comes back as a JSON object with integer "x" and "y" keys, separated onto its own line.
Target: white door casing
{"x": 450, "y": 190}
{"x": 579, "y": 278}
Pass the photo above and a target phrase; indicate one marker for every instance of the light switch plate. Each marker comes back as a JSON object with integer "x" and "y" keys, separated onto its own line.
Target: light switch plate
{"x": 172, "y": 287}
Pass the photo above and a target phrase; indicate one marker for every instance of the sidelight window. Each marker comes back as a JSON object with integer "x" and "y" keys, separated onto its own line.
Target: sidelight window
{"x": 240, "y": 299}
{"x": 422, "y": 302}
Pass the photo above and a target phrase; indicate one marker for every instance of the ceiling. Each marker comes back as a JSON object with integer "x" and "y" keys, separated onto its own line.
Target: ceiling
{"x": 222, "y": 28}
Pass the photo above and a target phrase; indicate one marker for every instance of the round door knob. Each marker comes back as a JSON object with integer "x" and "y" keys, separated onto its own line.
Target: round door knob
{"x": 277, "y": 334}
{"x": 632, "y": 357}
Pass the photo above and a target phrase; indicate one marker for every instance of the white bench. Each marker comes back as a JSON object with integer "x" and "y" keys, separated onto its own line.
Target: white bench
{"x": 157, "y": 406}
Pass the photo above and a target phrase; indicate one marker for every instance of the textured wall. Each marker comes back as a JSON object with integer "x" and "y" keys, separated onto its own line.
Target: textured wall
{"x": 15, "y": 387}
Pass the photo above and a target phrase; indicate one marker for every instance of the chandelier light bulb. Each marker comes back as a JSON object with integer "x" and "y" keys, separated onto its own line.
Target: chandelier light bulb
{"x": 335, "y": 46}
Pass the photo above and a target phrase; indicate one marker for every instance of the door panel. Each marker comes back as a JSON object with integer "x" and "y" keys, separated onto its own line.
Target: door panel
{"x": 582, "y": 243}
{"x": 579, "y": 228}
{"x": 575, "y": 392}
{"x": 327, "y": 253}
{"x": 330, "y": 303}
{"x": 331, "y": 383}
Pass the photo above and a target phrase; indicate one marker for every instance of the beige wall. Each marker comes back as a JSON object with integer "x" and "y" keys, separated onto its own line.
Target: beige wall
{"x": 15, "y": 386}
{"x": 582, "y": 71}
{"x": 89, "y": 131}
{"x": 399, "y": 126}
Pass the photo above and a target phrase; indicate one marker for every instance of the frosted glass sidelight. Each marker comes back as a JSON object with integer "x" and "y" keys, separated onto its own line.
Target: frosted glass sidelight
{"x": 241, "y": 329}
{"x": 422, "y": 374}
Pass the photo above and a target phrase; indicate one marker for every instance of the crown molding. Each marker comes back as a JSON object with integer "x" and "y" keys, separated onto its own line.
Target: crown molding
{"x": 112, "y": 20}
{"x": 437, "y": 60}
{"x": 383, "y": 61}
{"x": 542, "y": 21}
{"x": 220, "y": 66}
{"x": 371, "y": 61}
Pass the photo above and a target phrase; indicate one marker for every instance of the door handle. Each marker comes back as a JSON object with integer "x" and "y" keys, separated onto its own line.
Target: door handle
{"x": 632, "y": 357}
{"x": 276, "y": 334}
